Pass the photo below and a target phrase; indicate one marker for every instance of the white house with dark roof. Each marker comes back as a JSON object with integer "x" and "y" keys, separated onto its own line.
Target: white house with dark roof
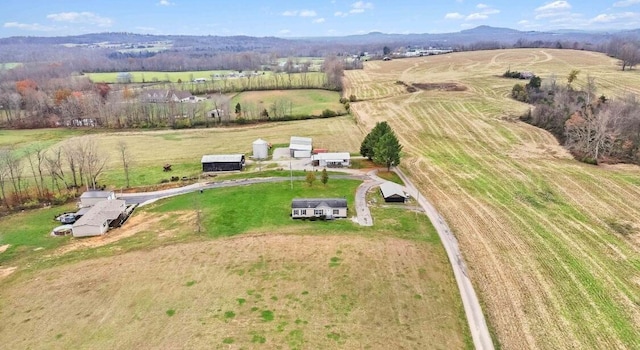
{"x": 322, "y": 208}
{"x": 97, "y": 220}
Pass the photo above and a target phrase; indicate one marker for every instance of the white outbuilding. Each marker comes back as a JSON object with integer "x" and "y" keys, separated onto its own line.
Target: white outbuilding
{"x": 300, "y": 147}
{"x": 90, "y": 198}
{"x": 97, "y": 220}
{"x": 260, "y": 149}
{"x": 332, "y": 160}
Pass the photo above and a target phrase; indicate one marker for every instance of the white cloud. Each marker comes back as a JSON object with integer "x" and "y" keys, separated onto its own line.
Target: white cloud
{"x": 340, "y": 14}
{"x": 476, "y": 16}
{"x": 301, "y": 13}
{"x": 28, "y": 26}
{"x": 608, "y": 18}
{"x": 360, "y": 7}
{"x": 284, "y": 31}
{"x": 165, "y": 3}
{"x": 81, "y": 17}
{"x": 482, "y": 6}
{"x": 625, "y": 3}
{"x": 554, "y": 6}
{"x": 453, "y": 15}
{"x": 319, "y": 20}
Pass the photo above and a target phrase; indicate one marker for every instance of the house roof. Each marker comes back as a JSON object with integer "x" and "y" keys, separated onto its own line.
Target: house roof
{"x": 390, "y": 189}
{"x": 306, "y": 203}
{"x": 222, "y": 158}
{"x": 181, "y": 94}
{"x": 331, "y": 156}
{"x": 102, "y": 212}
{"x": 96, "y": 194}
{"x": 300, "y": 143}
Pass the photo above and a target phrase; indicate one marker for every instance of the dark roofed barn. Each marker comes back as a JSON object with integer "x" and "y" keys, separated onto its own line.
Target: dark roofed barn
{"x": 222, "y": 162}
{"x": 392, "y": 192}
{"x": 324, "y": 208}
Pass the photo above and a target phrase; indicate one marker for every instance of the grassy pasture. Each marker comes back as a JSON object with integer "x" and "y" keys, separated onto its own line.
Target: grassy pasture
{"x": 151, "y": 76}
{"x": 295, "y": 284}
{"x": 552, "y": 245}
{"x": 150, "y": 150}
{"x": 303, "y": 102}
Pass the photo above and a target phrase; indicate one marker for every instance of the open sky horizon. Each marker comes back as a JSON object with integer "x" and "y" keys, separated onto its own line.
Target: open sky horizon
{"x": 288, "y": 18}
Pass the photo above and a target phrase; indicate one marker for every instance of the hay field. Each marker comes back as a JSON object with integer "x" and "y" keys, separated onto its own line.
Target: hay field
{"x": 552, "y": 245}
{"x": 151, "y": 149}
{"x": 302, "y": 102}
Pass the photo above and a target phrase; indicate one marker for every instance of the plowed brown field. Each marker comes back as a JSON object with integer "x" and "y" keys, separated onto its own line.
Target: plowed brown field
{"x": 540, "y": 231}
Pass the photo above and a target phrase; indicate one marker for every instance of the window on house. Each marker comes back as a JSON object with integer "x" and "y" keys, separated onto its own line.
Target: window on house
{"x": 336, "y": 211}
{"x": 296, "y": 212}
{"x": 304, "y": 212}
{"x": 318, "y": 212}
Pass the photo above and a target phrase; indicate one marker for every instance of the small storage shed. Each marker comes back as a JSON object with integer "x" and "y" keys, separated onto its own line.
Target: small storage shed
{"x": 222, "y": 162}
{"x": 91, "y": 198}
{"x": 323, "y": 208}
{"x": 300, "y": 147}
{"x": 260, "y": 149}
{"x": 392, "y": 192}
{"x": 97, "y": 220}
{"x": 332, "y": 160}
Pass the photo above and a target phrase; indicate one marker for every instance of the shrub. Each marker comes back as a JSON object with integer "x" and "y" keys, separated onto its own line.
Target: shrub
{"x": 353, "y": 98}
{"x": 327, "y": 113}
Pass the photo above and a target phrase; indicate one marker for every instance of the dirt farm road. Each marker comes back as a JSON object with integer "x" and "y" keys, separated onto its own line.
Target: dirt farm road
{"x": 473, "y": 310}
{"x": 477, "y": 323}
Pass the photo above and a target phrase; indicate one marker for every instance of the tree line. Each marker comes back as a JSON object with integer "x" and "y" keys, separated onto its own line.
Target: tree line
{"x": 35, "y": 175}
{"x": 594, "y": 128}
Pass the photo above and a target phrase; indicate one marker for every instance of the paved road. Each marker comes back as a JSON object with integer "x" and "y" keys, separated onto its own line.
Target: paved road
{"x": 473, "y": 310}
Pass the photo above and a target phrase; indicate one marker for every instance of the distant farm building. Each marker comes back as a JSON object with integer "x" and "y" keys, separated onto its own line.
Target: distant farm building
{"x": 260, "y": 149}
{"x": 91, "y": 198}
{"x": 99, "y": 218}
{"x": 392, "y": 192}
{"x": 199, "y": 80}
{"x": 300, "y": 147}
{"x": 222, "y": 162}
{"x": 321, "y": 208}
{"x": 332, "y": 160}
{"x": 164, "y": 96}
{"x": 124, "y": 78}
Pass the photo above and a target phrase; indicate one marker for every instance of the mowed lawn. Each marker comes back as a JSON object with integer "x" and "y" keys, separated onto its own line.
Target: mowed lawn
{"x": 552, "y": 245}
{"x": 305, "y": 102}
{"x": 240, "y": 274}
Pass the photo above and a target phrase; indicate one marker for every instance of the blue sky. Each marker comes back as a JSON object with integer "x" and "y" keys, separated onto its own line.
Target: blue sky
{"x": 284, "y": 18}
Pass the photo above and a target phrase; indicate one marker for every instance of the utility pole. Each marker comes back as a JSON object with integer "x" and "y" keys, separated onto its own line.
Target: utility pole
{"x": 291, "y": 174}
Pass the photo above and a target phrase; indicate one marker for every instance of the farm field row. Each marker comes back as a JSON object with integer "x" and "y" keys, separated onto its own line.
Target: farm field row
{"x": 264, "y": 279}
{"x": 551, "y": 244}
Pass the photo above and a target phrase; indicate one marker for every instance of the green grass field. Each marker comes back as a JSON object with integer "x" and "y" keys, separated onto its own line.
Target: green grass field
{"x": 251, "y": 277}
{"x": 295, "y": 102}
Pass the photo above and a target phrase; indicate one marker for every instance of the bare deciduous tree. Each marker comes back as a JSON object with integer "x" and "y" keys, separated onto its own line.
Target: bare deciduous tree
{"x": 125, "y": 157}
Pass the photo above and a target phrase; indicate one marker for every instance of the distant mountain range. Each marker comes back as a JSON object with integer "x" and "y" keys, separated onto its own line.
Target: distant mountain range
{"x": 316, "y": 45}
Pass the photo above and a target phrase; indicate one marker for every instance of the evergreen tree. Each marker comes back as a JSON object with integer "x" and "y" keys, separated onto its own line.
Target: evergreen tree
{"x": 369, "y": 142}
{"x": 387, "y": 150}
{"x": 325, "y": 177}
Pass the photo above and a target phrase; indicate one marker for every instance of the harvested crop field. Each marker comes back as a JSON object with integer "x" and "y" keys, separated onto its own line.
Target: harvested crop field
{"x": 552, "y": 245}
{"x": 261, "y": 290}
